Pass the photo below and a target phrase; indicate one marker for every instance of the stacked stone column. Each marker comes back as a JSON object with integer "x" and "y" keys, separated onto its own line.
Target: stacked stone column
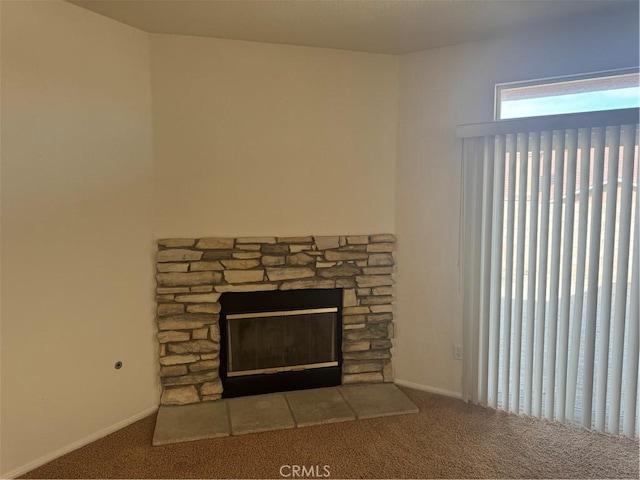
{"x": 193, "y": 273}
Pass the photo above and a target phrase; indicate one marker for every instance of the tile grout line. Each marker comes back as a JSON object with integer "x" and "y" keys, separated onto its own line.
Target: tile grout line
{"x": 228, "y": 408}
{"x": 347, "y": 402}
{"x": 293, "y": 417}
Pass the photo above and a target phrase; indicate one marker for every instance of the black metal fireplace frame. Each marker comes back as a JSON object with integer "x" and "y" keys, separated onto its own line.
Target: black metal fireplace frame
{"x": 253, "y": 302}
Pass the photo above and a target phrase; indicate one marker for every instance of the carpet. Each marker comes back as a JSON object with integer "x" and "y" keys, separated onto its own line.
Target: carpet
{"x": 446, "y": 439}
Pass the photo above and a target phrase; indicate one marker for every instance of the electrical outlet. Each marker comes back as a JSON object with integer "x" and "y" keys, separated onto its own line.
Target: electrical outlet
{"x": 457, "y": 352}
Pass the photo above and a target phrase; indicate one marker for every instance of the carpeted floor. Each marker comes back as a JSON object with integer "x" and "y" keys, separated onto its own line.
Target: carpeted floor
{"x": 446, "y": 439}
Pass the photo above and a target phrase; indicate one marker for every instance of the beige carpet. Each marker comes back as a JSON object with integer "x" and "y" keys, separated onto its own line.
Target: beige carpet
{"x": 446, "y": 439}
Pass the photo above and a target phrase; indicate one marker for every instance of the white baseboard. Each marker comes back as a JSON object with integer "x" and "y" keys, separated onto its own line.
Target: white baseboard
{"x": 427, "y": 388}
{"x": 80, "y": 443}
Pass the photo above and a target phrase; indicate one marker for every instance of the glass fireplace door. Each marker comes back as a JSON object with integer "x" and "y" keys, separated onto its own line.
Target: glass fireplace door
{"x": 273, "y": 342}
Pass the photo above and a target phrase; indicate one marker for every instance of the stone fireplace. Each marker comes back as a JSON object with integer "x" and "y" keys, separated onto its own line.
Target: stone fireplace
{"x": 192, "y": 274}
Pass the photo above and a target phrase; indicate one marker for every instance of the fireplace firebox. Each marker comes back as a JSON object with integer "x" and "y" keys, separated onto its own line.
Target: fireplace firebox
{"x": 280, "y": 340}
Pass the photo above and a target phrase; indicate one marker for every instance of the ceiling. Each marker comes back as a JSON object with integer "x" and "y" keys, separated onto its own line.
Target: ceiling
{"x": 377, "y": 26}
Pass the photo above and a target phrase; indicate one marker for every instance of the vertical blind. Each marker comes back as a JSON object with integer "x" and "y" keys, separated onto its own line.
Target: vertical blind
{"x": 549, "y": 241}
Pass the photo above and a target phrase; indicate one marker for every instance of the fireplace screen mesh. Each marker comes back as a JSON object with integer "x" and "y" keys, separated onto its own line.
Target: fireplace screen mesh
{"x": 272, "y": 342}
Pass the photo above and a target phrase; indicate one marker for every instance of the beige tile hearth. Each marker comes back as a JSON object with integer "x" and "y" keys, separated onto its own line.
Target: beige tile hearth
{"x": 318, "y": 406}
{"x": 259, "y": 413}
{"x": 185, "y": 423}
{"x": 377, "y": 400}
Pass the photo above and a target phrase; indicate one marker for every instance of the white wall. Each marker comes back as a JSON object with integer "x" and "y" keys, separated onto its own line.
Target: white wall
{"x": 262, "y": 139}
{"x": 440, "y": 89}
{"x": 77, "y": 246}
{"x": 251, "y": 139}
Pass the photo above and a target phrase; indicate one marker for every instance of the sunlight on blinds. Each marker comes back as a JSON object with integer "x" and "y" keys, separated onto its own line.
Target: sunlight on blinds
{"x": 550, "y": 274}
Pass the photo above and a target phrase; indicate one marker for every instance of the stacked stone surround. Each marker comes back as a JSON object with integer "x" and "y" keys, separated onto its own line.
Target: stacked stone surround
{"x": 192, "y": 273}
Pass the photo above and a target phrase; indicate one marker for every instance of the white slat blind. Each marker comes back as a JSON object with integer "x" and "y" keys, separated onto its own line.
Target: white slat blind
{"x": 550, "y": 272}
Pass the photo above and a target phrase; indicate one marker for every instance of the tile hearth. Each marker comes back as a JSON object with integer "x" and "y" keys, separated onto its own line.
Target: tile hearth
{"x": 276, "y": 411}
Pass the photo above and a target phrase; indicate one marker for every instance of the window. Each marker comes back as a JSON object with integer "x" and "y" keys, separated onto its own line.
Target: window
{"x": 583, "y": 93}
{"x": 550, "y": 245}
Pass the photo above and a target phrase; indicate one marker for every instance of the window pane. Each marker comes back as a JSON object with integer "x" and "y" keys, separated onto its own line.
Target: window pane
{"x": 569, "y": 96}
